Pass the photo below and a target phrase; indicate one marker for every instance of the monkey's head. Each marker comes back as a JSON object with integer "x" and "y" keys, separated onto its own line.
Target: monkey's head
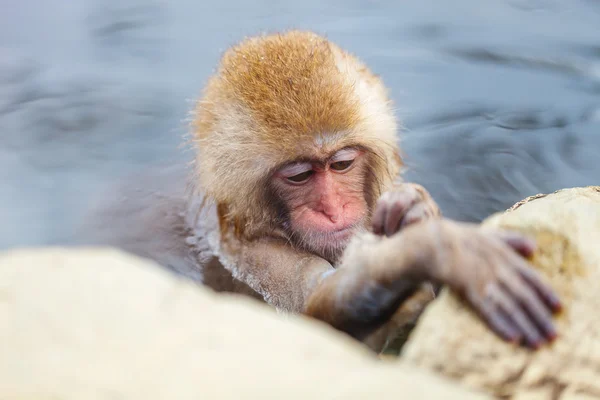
{"x": 295, "y": 137}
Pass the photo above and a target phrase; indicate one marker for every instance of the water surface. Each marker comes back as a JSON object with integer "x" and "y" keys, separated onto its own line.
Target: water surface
{"x": 499, "y": 99}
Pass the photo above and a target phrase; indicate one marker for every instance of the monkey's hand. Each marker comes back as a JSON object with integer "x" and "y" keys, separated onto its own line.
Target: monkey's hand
{"x": 488, "y": 270}
{"x": 406, "y": 204}
{"x": 484, "y": 267}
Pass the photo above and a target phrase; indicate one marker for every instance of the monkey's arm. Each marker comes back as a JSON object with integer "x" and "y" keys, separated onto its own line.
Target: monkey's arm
{"x": 282, "y": 275}
{"x": 379, "y": 273}
{"x": 374, "y": 279}
{"x": 286, "y": 278}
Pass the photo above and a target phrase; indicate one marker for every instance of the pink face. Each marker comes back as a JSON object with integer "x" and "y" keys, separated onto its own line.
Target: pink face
{"x": 325, "y": 200}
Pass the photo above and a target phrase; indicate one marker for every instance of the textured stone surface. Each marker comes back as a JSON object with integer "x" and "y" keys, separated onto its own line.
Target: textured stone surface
{"x": 449, "y": 339}
{"x": 100, "y": 324}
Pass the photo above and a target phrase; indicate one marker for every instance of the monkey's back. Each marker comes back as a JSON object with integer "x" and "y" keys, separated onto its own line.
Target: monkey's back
{"x": 152, "y": 214}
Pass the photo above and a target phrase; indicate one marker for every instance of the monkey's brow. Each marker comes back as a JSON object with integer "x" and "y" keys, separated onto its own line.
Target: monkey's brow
{"x": 296, "y": 168}
{"x": 320, "y": 160}
{"x": 345, "y": 154}
{"x": 298, "y": 162}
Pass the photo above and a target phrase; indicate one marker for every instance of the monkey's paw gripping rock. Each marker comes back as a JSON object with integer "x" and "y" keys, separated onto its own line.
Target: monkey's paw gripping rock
{"x": 450, "y": 340}
{"x": 101, "y": 324}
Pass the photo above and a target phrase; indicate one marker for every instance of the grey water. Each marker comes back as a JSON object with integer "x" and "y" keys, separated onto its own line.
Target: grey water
{"x": 499, "y": 99}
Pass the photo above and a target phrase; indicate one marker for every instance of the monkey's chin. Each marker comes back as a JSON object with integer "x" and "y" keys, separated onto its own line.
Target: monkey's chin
{"x": 330, "y": 244}
{"x": 342, "y": 235}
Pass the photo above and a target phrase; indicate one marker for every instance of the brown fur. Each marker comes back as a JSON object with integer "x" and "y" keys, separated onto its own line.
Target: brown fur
{"x": 280, "y": 98}
{"x": 285, "y": 96}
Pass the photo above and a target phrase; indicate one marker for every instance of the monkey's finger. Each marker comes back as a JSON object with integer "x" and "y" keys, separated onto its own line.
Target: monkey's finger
{"x": 499, "y": 323}
{"x": 491, "y": 314}
{"x": 529, "y": 301}
{"x": 415, "y": 214}
{"x": 503, "y": 327}
{"x": 512, "y": 310}
{"x": 532, "y": 277}
{"x": 521, "y": 244}
{"x": 545, "y": 291}
{"x": 379, "y": 215}
{"x": 401, "y": 203}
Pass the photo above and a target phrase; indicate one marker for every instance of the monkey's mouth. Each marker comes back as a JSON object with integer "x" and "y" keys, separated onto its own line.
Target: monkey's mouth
{"x": 336, "y": 238}
{"x": 343, "y": 233}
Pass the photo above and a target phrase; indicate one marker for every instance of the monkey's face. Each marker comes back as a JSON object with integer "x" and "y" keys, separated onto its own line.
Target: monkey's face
{"x": 324, "y": 200}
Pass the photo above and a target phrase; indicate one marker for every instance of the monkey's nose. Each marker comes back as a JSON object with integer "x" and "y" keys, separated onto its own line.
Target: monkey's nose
{"x": 330, "y": 210}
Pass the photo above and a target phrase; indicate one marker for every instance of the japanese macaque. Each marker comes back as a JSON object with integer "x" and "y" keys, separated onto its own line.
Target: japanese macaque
{"x": 297, "y": 199}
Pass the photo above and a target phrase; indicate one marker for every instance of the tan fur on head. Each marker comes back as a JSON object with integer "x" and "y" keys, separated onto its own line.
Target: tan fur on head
{"x": 280, "y": 97}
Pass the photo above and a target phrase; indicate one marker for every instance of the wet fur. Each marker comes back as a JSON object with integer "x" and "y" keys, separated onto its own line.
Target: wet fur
{"x": 274, "y": 98}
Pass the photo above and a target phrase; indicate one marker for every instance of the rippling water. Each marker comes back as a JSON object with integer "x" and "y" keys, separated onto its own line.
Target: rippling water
{"x": 500, "y": 99}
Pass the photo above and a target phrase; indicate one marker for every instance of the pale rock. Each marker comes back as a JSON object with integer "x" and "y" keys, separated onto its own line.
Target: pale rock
{"x": 94, "y": 323}
{"x": 451, "y": 341}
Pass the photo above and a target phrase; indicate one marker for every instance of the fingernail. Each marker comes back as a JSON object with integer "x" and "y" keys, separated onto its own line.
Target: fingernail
{"x": 535, "y": 344}
{"x": 516, "y": 339}
{"x": 551, "y": 334}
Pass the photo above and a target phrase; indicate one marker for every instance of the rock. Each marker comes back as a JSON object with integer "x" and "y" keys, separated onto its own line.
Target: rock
{"x": 450, "y": 340}
{"x": 101, "y": 324}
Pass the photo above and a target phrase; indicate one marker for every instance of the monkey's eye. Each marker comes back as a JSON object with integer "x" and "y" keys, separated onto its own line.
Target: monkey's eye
{"x": 341, "y": 165}
{"x": 300, "y": 177}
